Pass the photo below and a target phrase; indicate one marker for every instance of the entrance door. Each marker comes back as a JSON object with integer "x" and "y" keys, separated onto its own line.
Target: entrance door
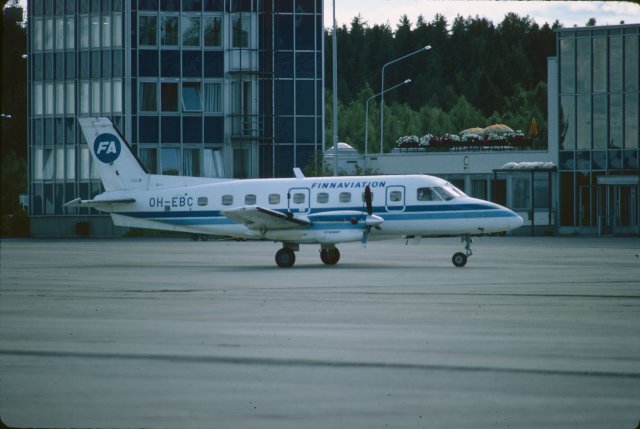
{"x": 621, "y": 206}
{"x": 626, "y": 209}
{"x": 298, "y": 200}
{"x": 395, "y": 198}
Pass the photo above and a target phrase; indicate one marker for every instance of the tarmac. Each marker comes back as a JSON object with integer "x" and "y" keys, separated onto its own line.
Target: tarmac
{"x": 535, "y": 332}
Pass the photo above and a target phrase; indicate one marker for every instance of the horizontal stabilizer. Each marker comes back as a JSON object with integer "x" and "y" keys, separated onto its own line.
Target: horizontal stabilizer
{"x": 262, "y": 218}
{"x": 78, "y": 202}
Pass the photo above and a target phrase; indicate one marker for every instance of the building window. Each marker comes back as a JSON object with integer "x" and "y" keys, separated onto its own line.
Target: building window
{"x": 95, "y": 97}
{"x": 38, "y": 91}
{"x": 149, "y": 159}
{"x": 84, "y": 97}
{"x": 169, "y": 96}
{"x": 48, "y": 34}
{"x": 117, "y": 30}
{"x": 48, "y": 98}
{"x": 191, "y": 99}
{"x": 191, "y": 162}
{"x": 36, "y": 34}
{"x": 213, "y": 97}
{"x": 212, "y": 163}
{"x": 106, "y": 31}
{"x": 190, "y": 31}
{"x": 71, "y": 97}
{"x": 70, "y": 30}
{"x": 60, "y": 33}
{"x": 117, "y": 96}
{"x": 148, "y": 97}
{"x": 59, "y": 98}
{"x": 240, "y": 31}
{"x": 170, "y": 163}
{"x": 169, "y": 30}
{"x": 95, "y": 31}
{"x": 147, "y": 30}
{"x": 213, "y": 31}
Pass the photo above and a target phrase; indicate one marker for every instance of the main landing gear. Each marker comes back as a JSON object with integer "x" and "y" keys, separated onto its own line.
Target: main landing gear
{"x": 459, "y": 259}
{"x": 286, "y": 257}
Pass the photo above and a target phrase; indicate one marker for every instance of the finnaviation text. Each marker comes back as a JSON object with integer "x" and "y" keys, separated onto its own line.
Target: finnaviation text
{"x": 348, "y": 185}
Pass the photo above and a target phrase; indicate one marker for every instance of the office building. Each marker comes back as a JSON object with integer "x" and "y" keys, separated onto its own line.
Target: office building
{"x": 211, "y": 88}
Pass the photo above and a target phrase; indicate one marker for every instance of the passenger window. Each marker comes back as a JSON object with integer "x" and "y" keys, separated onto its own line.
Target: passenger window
{"x": 323, "y": 197}
{"x": 274, "y": 198}
{"x": 298, "y": 198}
{"x": 227, "y": 200}
{"x": 250, "y": 199}
{"x": 427, "y": 194}
{"x": 395, "y": 196}
{"x": 203, "y": 201}
{"x": 345, "y": 197}
{"x": 363, "y": 199}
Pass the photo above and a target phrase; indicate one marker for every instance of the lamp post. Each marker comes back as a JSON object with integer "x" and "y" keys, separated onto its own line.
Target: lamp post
{"x": 334, "y": 60}
{"x": 366, "y": 117}
{"x": 382, "y": 91}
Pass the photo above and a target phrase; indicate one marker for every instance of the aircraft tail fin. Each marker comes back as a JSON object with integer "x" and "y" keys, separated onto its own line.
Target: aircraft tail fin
{"x": 117, "y": 165}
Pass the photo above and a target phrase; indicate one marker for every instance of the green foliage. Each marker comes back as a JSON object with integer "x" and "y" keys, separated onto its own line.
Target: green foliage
{"x": 476, "y": 74}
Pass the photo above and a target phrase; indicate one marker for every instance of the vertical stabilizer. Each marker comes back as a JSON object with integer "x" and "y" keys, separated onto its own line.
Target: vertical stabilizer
{"x": 118, "y": 167}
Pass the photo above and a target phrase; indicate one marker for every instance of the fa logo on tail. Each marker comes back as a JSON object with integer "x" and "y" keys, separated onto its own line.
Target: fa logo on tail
{"x": 107, "y": 148}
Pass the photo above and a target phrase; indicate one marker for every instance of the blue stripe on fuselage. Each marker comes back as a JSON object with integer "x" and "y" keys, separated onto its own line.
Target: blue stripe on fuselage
{"x": 416, "y": 212}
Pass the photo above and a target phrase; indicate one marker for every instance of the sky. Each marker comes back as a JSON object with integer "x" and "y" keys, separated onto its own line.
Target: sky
{"x": 569, "y": 13}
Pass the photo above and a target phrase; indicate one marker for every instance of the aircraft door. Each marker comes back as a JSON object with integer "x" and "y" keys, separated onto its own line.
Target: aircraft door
{"x": 298, "y": 200}
{"x": 395, "y": 198}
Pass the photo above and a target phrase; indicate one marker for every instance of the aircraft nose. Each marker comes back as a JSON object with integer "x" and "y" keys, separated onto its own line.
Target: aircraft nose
{"x": 515, "y": 220}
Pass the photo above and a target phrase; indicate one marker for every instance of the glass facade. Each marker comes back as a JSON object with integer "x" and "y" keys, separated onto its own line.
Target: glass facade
{"x": 599, "y": 127}
{"x": 212, "y": 88}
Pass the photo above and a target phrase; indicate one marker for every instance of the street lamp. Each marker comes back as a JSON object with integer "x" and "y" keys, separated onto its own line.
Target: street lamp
{"x": 366, "y": 117}
{"x": 334, "y": 61}
{"x": 382, "y": 91}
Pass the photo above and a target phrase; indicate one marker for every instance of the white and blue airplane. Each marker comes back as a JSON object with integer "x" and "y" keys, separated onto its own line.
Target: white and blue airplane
{"x": 293, "y": 211}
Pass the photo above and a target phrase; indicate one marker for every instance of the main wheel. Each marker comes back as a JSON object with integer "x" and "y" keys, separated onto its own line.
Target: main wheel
{"x": 285, "y": 258}
{"x": 459, "y": 259}
{"x": 330, "y": 256}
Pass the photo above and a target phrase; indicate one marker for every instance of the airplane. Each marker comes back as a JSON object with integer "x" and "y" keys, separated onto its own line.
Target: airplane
{"x": 293, "y": 211}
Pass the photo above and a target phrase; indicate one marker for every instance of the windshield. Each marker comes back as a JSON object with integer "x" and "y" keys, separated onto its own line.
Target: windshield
{"x": 447, "y": 192}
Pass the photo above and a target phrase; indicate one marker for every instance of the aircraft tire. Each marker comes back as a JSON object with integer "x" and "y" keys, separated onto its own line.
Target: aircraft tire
{"x": 330, "y": 256}
{"x": 459, "y": 259}
{"x": 285, "y": 258}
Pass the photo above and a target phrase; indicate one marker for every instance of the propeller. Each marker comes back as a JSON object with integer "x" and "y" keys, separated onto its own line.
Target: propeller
{"x": 371, "y": 220}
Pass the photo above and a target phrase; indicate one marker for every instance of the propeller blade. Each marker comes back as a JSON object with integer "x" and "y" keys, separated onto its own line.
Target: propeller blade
{"x": 365, "y": 236}
{"x": 367, "y": 200}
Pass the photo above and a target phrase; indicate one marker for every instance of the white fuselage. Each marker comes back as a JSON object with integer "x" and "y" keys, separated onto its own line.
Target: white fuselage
{"x": 332, "y": 208}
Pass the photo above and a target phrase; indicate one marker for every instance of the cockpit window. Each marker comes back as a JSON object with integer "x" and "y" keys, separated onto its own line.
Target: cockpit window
{"x": 428, "y": 194}
{"x": 446, "y": 192}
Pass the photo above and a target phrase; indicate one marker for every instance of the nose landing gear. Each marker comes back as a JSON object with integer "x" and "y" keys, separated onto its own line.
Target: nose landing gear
{"x": 459, "y": 259}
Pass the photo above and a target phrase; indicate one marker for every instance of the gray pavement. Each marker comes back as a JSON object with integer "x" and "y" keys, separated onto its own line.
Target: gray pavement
{"x": 165, "y": 333}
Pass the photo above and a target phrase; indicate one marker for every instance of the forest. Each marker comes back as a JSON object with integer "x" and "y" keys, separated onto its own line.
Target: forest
{"x": 475, "y": 74}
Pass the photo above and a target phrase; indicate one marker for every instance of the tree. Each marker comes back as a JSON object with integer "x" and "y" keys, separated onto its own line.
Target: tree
{"x": 13, "y": 123}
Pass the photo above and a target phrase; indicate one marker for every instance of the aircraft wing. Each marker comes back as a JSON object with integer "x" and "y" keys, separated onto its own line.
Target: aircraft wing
{"x": 255, "y": 217}
{"x": 96, "y": 204}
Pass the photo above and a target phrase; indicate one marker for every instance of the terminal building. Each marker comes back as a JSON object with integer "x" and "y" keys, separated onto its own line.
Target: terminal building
{"x": 586, "y": 179}
{"x": 211, "y": 88}
{"x": 234, "y": 88}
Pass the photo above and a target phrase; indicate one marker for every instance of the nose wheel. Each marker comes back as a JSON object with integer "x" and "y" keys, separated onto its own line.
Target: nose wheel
{"x": 459, "y": 259}
{"x": 329, "y": 255}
